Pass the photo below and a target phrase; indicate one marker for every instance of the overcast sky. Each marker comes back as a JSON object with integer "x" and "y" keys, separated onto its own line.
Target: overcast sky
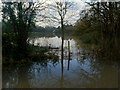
{"x": 0, "y": 11}
{"x": 74, "y": 12}
{"x": 77, "y": 8}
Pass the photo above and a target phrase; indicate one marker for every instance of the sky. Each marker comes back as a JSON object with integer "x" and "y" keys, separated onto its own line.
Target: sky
{"x": 77, "y": 8}
{"x": 0, "y": 11}
{"x": 74, "y": 12}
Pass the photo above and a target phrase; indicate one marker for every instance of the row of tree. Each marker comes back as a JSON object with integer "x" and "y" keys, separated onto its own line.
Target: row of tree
{"x": 108, "y": 13}
{"x": 100, "y": 25}
{"x": 102, "y": 17}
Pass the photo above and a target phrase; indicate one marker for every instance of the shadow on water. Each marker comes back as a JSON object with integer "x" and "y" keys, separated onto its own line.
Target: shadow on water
{"x": 82, "y": 69}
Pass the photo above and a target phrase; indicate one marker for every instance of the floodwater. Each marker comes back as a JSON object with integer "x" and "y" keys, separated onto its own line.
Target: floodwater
{"x": 83, "y": 70}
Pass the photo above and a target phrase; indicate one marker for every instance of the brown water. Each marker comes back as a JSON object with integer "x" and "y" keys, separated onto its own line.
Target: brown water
{"x": 83, "y": 70}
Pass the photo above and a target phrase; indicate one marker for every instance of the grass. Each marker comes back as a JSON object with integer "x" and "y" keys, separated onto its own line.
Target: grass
{"x": 35, "y": 54}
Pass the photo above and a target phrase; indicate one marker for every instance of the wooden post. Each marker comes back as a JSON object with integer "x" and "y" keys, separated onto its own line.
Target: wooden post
{"x": 68, "y": 54}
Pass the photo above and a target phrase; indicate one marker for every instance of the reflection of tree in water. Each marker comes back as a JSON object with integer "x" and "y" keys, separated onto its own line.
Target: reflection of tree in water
{"x": 16, "y": 76}
{"x": 44, "y": 75}
{"x": 9, "y": 76}
{"x": 24, "y": 76}
{"x": 88, "y": 69}
{"x": 109, "y": 49}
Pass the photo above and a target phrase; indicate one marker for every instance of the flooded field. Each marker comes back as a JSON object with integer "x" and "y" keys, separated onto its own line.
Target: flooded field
{"x": 83, "y": 70}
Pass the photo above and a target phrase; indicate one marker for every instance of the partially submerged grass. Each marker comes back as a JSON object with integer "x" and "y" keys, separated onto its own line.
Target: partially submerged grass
{"x": 35, "y": 54}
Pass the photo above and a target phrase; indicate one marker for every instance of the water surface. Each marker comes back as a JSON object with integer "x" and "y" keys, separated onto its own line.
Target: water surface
{"x": 82, "y": 71}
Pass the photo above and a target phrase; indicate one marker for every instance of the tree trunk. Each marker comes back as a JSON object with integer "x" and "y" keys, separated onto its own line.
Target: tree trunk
{"x": 22, "y": 33}
{"x": 22, "y": 44}
{"x": 68, "y": 54}
{"x": 62, "y": 46}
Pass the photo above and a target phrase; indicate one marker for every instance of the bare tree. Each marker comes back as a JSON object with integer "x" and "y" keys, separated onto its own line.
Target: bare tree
{"x": 108, "y": 13}
{"x": 61, "y": 12}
